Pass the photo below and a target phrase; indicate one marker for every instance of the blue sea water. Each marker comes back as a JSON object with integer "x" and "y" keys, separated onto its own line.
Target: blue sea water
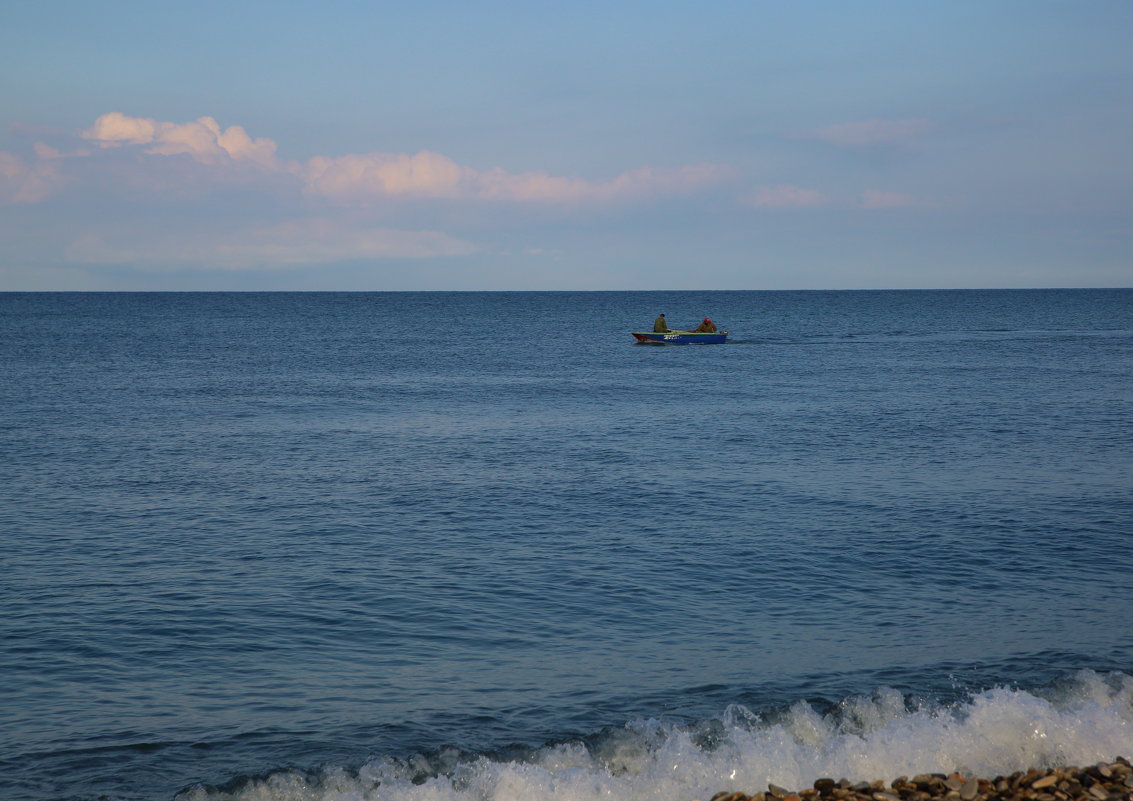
{"x": 483, "y": 547}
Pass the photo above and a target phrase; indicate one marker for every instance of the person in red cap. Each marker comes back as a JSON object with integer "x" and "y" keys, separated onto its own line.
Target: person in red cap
{"x": 707, "y": 327}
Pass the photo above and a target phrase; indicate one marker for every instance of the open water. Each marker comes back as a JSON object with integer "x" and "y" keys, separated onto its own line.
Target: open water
{"x": 482, "y": 547}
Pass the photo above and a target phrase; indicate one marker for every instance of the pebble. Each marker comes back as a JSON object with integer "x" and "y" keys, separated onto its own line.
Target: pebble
{"x": 970, "y": 789}
{"x": 1105, "y": 781}
{"x": 825, "y": 786}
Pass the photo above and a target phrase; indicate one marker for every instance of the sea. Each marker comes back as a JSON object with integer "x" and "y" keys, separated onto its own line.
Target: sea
{"x": 483, "y": 546}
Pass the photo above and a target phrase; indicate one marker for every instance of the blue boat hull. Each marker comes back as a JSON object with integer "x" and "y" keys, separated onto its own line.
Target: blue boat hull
{"x": 681, "y": 338}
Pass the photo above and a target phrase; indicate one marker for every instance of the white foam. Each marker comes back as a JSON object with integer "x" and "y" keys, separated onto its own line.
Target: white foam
{"x": 996, "y": 732}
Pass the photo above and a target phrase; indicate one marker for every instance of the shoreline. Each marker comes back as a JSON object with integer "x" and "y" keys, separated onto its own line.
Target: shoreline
{"x": 1104, "y": 781}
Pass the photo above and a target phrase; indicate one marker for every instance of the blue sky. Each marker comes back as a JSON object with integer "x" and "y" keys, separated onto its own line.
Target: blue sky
{"x": 582, "y": 145}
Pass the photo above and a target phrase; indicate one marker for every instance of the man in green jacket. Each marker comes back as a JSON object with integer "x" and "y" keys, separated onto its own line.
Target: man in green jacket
{"x": 660, "y": 326}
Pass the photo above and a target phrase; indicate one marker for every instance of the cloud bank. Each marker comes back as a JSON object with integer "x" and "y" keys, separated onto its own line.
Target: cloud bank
{"x": 329, "y": 208}
{"x": 333, "y": 209}
{"x": 361, "y": 178}
{"x": 432, "y": 175}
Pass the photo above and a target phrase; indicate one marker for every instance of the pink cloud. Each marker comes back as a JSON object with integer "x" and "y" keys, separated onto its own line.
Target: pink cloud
{"x": 202, "y": 139}
{"x": 360, "y": 178}
{"x": 872, "y": 132}
{"x": 352, "y": 179}
{"x": 432, "y": 175}
{"x": 787, "y": 196}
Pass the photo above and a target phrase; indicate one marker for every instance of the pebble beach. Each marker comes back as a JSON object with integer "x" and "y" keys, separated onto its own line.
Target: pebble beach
{"x": 1105, "y": 781}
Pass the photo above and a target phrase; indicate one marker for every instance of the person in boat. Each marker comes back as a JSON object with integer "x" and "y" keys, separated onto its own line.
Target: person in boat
{"x": 660, "y": 326}
{"x": 707, "y": 327}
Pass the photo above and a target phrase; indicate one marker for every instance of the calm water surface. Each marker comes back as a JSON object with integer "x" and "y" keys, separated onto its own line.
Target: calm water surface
{"x": 482, "y": 546}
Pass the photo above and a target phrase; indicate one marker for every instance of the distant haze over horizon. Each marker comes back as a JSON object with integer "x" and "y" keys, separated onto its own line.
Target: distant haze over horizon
{"x": 677, "y": 146}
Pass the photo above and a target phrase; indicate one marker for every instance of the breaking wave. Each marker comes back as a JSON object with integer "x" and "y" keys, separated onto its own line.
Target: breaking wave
{"x": 880, "y": 736}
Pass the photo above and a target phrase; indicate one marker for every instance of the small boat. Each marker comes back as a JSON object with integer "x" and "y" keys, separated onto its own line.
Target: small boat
{"x": 681, "y": 337}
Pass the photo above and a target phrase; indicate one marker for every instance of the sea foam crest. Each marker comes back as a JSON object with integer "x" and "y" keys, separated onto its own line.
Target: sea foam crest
{"x": 880, "y": 736}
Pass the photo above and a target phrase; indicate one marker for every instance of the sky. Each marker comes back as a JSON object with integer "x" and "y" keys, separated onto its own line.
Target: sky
{"x": 624, "y": 144}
